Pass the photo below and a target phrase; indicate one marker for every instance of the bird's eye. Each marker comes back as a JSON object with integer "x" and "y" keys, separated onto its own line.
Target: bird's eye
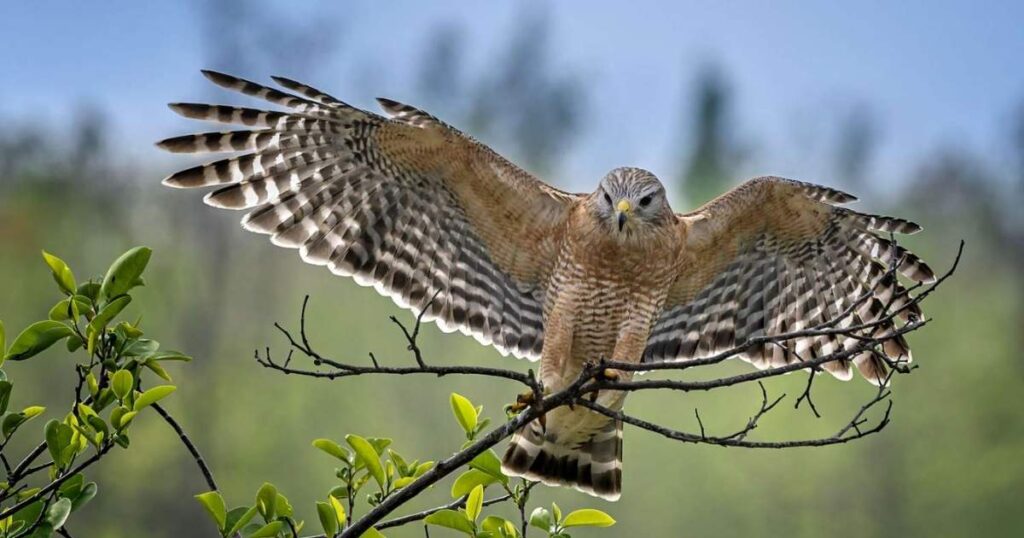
{"x": 645, "y": 201}
{"x": 607, "y": 198}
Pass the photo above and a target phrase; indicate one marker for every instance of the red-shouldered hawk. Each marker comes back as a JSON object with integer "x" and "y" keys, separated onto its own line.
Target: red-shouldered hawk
{"x": 433, "y": 219}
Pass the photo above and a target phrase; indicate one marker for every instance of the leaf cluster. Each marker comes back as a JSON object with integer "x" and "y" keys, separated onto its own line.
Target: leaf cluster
{"x": 111, "y": 359}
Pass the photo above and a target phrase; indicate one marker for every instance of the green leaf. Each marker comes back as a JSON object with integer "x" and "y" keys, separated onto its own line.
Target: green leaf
{"x": 5, "y": 395}
{"x": 339, "y": 492}
{"x": 168, "y": 356}
{"x": 464, "y": 412}
{"x": 36, "y": 338}
{"x": 238, "y": 518}
{"x": 404, "y": 481}
{"x": 475, "y": 502}
{"x": 62, "y": 274}
{"x": 130, "y": 331}
{"x": 126, "y": 419}
{"x": 213, "y": 502}
{"x": 33, "y": 411}
{"x": 282, "y": 507}
{"x": 108, "y": 313}
{"x": 88, "y": 492}
{"x": 89, "y": 289}
{"x": 100, "y": 426}
{"x": 379, "y": 444}
{"x": 157, "y": 369}
{"x": 488, "y": 462}
{"x": 541, "y": 519}
{"x": 372, "y": 533}
{"x": 498, "y": 526}
{"x": 122, "y": 383}
{"x": 556, "y": 512}
{"x": 70, "y": 308}
{"x": 588, "y": 517}
{"x": 269, "y": 530}
{"x": 332, "y": 448}
{"x": 92, "y": 384}
{"x": 423, "y": 468}
{"x": 12, "y": 421}
{"x": 328, "y": 518}
{"x": 153, "y": 395}
{"x": 368, "y": 455}
{"x": 72, "y": 487}
{"x": 399, "y": 461}
{"x": 116, "y": 414}
{"x": 450, "y": 519}
{"x": 266, "y": 501}
{"x": 339, "y": 509}
{"x": 143, "y": 347}
{"x": 469, "y": 480}
{"x": 492, "y": 524}
{"x": 74, "y": 342}
{"x": 124, "y": 273}
{"x": 58, "y": 513}
{"x": 58, "y": 437}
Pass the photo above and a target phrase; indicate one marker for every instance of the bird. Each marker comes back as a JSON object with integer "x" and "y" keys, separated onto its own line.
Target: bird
{"x": 448, "y": 228}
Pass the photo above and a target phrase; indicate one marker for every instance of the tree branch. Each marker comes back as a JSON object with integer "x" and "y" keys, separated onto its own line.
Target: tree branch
{"x": 207, "y": 474}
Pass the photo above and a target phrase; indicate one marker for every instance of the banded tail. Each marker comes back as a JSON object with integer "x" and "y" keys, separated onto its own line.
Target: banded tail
{"x": 592, "y": 465}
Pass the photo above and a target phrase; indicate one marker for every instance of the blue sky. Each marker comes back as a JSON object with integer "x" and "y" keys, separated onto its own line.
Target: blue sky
{"x": 932, "y": 73}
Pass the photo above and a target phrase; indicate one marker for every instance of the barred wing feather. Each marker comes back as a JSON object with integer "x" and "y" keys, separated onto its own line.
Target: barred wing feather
{"x": 407, "y": 204}
{"x": 775, "y": 256}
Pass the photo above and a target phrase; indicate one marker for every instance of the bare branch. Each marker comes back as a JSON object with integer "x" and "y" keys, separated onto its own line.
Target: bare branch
{"x": 207, "y": 474}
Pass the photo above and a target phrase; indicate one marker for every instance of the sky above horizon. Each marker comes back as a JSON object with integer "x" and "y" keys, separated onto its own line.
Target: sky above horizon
{"x": 933, "y": 74}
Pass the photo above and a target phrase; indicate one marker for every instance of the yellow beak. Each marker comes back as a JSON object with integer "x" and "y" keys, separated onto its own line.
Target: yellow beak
{"x": 623, "y": 208}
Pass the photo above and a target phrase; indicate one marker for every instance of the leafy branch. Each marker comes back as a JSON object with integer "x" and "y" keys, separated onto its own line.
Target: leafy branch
{"x": 115, "y": 357}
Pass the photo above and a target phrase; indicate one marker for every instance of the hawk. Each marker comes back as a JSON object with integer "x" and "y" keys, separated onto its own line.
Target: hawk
{"x": 439, "y": 222}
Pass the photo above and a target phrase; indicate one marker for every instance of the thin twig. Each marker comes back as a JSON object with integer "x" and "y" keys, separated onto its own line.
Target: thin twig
{"x": 196, "y": 456}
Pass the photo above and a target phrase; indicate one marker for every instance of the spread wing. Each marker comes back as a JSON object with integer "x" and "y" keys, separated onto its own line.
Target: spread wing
{"x": 407, "y": 204}
{"x": 775, "y": 256}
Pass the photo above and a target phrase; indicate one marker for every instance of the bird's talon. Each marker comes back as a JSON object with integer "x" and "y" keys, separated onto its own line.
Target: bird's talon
{"x": 523, "y": 401}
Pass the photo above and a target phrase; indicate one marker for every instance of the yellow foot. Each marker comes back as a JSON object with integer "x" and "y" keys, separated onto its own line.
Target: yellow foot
{"x": 607, "y": 374}
{"x": 610, "y": 375}
{"x": 523, "y": 401}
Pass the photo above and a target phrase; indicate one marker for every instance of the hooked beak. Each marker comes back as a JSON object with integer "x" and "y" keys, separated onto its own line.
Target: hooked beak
{"x": 623, "y": 209}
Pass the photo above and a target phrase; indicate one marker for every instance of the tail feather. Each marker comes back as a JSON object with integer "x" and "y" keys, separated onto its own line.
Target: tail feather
{"x": 593, "y": 466}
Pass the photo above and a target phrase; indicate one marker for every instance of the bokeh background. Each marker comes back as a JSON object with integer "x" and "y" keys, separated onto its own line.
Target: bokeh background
{"x": 918, "y": 108}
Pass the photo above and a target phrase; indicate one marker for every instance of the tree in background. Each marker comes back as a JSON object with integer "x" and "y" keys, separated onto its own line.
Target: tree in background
{"x": 856, "y": 142}
{"x": 520, "y": 103}
{"x": 710, "y": 166}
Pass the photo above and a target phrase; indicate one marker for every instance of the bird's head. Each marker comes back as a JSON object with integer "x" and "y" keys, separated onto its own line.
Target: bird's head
{"x": 628, "y": 200}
